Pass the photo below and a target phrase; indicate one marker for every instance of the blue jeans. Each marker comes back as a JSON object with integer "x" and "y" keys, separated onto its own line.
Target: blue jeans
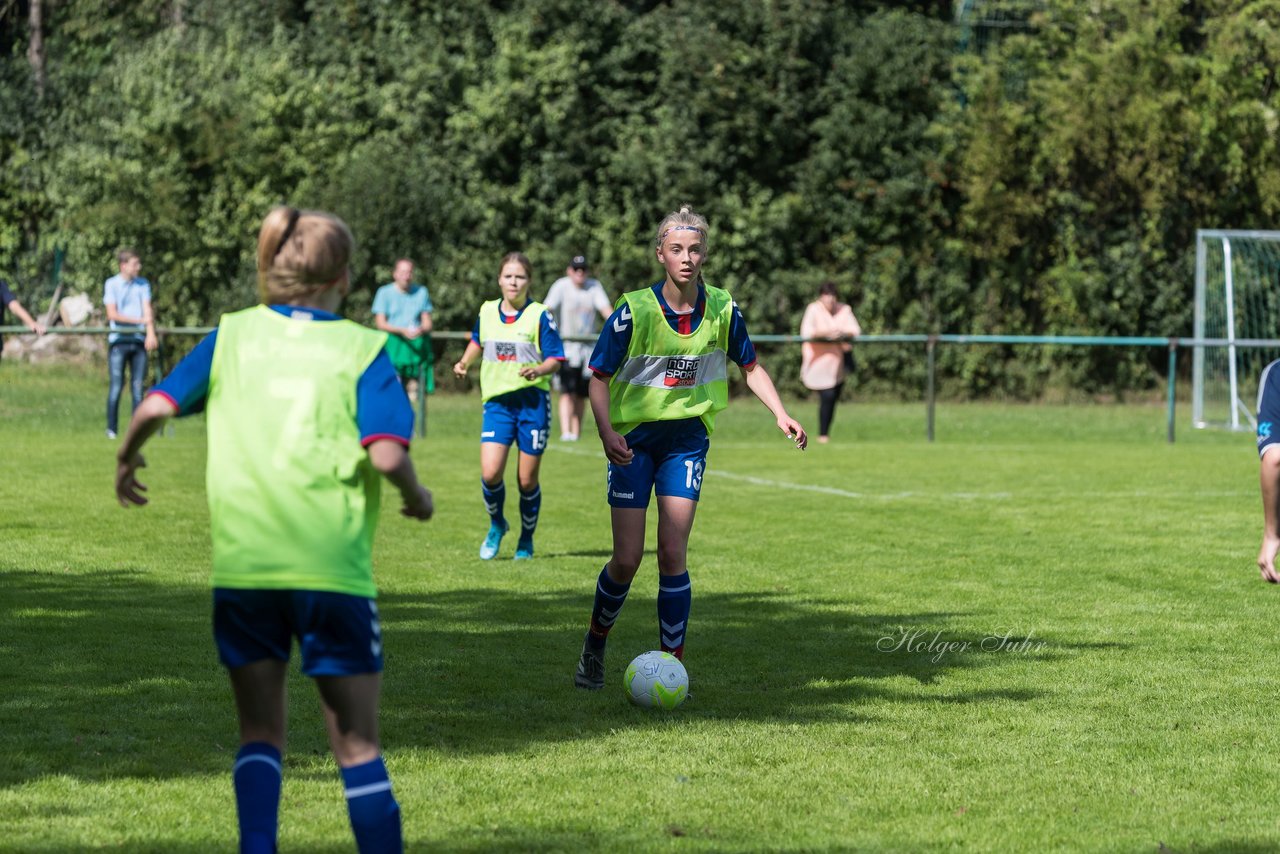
{"x": 135, "y": 354}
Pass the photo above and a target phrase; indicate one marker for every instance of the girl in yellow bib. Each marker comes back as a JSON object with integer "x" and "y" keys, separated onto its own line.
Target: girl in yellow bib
{"x": 520, "y": 349}
{"x": 660, "y": 375}
{"x": 304, "y": 412}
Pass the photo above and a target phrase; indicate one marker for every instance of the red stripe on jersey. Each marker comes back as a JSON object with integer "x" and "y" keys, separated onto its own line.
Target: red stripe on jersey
{"x": 369, "y": 440}
{"x": 167, "y": 397}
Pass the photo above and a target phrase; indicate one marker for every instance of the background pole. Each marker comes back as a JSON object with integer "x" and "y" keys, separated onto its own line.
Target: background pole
{"x": 929, "y": 346}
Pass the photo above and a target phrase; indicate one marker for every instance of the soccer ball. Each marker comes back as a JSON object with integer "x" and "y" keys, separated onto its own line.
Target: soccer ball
{"x": 656, "y": 679}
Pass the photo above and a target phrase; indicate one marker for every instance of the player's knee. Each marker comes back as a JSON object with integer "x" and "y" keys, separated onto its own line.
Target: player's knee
{"x": 354, "y": 751}
{"x": 671, "y": 559}
{"x": 623, "y": 567}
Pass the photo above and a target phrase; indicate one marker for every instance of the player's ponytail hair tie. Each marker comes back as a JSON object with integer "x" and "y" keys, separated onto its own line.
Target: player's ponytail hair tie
{"x": 294, "y": 214}
{"x": 300, "y": 253}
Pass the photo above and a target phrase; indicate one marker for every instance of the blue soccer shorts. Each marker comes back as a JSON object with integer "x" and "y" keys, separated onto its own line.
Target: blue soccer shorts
{"x": 521, "y": 417}
{"x": 670, "y": 458}
{"x": 338, "y": 634}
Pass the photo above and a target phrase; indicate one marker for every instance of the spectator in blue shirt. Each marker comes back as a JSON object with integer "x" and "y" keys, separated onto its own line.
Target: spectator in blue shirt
{"x": 9, "y": 301}
{"x": 403, "y": 310}
{"x": 127, "y": 298}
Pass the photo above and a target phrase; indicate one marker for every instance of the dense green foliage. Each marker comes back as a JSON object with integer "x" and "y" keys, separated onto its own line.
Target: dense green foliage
{"x": 1051, "y": 183}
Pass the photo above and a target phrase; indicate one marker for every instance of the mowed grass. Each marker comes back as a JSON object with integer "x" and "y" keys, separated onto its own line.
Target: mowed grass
{"x": 1041, "y": 632}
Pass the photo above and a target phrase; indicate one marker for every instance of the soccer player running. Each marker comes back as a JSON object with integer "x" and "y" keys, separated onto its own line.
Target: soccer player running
{"x": 304, "y": 412}
{"x": 520, "y": 348}
{"x": 660, "y": 375}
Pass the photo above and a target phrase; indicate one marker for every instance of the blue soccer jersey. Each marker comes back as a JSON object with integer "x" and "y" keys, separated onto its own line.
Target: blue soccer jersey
{"x": 670, "y": 456}
{"x": 522, "y": 417}
{"x": 548, "y": 333}
{"x": 382, "y": 410}
{"x": 615, "y": 338}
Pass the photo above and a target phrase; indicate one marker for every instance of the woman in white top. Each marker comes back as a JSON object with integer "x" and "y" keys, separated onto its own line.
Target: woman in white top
{"x": 824, "y": 364}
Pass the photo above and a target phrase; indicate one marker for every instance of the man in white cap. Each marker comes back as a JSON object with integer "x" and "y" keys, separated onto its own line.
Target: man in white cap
{"x": 579, "y": 304}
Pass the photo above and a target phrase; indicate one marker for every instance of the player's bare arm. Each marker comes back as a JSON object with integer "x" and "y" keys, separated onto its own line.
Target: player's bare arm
{"x": 393, "y": 461}
{"x": 615, "y": 446}
{"x": 468, "y": 356}
{"x": 761, "y": 385}
{"x": 548, "y": 367}
{"x": 150, "y": 416}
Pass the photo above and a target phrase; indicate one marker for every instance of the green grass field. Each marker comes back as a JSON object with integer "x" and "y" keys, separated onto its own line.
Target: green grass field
{"x": 1089, "y": 663}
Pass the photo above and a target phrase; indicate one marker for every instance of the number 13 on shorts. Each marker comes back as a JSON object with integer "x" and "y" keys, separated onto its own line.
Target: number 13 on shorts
{"x": 693, "y": 474}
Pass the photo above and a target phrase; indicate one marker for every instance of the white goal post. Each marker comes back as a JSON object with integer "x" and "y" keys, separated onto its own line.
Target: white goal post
{"x": 1237, "y": 298}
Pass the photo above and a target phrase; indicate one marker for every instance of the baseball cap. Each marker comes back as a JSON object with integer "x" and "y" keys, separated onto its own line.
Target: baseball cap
{"x": 579, "y": 262}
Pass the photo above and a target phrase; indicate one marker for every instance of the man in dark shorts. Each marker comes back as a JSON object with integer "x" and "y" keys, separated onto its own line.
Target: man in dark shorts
{"x": 578, "y": 304}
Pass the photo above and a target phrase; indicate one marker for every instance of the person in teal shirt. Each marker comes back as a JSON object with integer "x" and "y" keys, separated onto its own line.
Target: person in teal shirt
{"x": 305, "y": 414}
{"x": 403, "y": 309}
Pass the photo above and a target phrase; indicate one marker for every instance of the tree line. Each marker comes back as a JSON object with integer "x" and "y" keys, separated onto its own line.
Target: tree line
{"x": 1049, "y": 183}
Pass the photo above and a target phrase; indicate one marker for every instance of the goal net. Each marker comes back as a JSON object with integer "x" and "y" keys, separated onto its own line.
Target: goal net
{"x": 1238, "y": 301}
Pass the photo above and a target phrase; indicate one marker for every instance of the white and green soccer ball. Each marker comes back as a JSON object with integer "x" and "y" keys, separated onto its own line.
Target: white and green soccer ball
{"x": 656, "y": 679}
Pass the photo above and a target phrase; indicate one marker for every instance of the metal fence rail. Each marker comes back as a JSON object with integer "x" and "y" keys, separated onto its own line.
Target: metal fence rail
{"x": 930, "y": 342}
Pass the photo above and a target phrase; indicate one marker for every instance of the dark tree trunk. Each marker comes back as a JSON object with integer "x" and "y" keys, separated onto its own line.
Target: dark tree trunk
{"x": 35, "y": 48}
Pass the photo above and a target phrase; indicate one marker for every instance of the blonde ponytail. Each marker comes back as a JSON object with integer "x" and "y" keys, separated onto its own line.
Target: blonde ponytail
{"x": 300, "y": 253}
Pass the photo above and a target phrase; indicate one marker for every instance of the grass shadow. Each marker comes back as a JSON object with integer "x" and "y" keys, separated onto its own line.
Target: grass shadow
{"x": 500, "y": 663}
{"x": 115, "y": 675}
{"x": 112, "y": 675}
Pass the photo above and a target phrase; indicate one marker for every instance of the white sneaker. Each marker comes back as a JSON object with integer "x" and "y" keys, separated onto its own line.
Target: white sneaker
{"x": 111, "y": 434}
{"x": 568, "y": 437}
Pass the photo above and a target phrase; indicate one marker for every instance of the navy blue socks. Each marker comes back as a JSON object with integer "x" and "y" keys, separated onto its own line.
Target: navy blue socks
{"x": 375, "y": 815}
{"x": 256, "y": 777}
{"x": 610, "y": 595}
{"x": 674, "y": 598}
{"x": 530, "y": 505}
{"x": 494, "y": 499}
